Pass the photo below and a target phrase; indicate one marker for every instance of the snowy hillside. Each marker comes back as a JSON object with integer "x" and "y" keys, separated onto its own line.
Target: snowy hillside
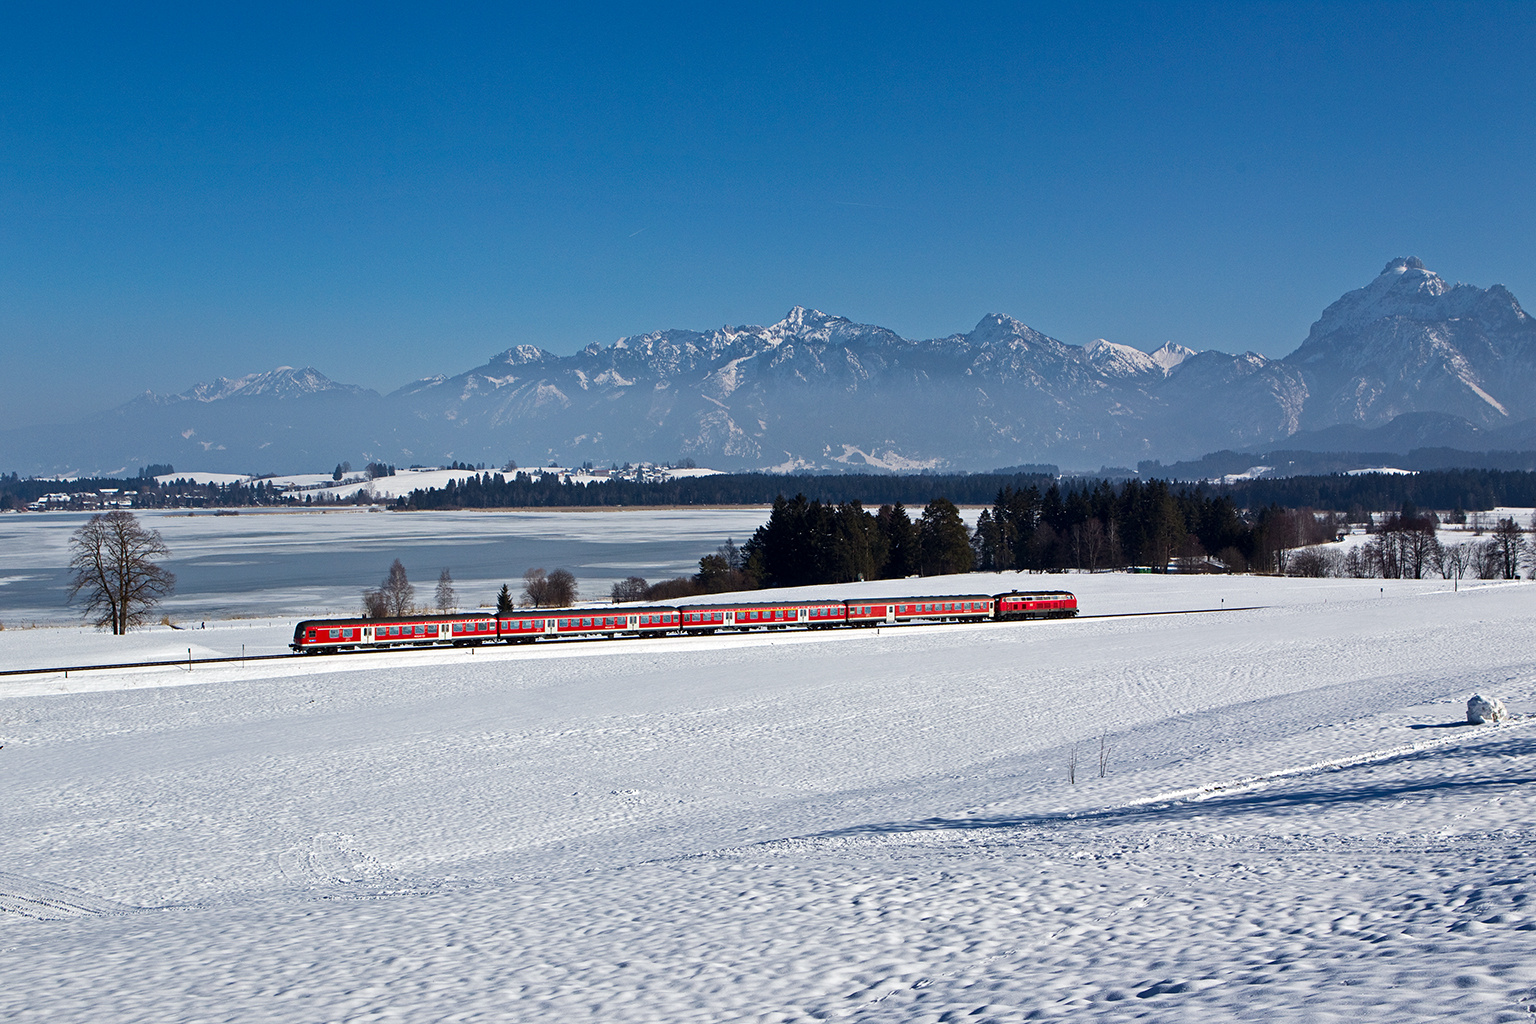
{"x": 1288, "y": 823}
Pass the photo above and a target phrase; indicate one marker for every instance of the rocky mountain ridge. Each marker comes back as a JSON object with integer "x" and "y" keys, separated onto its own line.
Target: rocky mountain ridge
{"x": 819, "y": 391}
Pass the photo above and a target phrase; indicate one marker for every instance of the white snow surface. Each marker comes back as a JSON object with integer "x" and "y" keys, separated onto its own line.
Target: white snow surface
{"x": 1293, "y": 822}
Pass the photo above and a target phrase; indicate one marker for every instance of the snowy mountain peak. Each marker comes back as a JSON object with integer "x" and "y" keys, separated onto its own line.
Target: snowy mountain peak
{"x": 997, "y": 328}
{"x": 521, "y": 355}
{"x": 281, "y": 382}
{"x": 1120, "y": 360}
{"x": 1171, "y": 355}
{"x": 1403, "y": 263}
{"x": 1404, "y": 288}
{"x": 1407, "y": 290}
{"x": 803, "y": 321}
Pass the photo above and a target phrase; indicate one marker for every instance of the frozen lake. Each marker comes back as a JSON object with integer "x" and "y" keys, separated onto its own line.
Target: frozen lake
{"x": 292, "y": 564}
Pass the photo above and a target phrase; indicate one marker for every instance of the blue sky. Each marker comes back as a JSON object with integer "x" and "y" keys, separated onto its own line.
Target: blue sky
{"x": 386, "y": 192}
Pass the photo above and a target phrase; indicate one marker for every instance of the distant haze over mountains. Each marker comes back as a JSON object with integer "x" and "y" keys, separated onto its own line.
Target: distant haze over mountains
{"x": 817, "y": 391}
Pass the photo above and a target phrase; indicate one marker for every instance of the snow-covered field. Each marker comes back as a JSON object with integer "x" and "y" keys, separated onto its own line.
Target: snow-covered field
{"x": 1289, "y": 823}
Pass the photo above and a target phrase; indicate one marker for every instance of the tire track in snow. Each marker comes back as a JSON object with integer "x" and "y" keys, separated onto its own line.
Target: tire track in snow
{"x": 1350, "y": 761}
{"x": 49, "y": 901}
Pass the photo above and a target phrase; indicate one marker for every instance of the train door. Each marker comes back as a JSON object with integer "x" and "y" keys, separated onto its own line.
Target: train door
{"x": 730, "y": 618}
{"x": 802, "y": 615}
{"x": 890, "y": 614}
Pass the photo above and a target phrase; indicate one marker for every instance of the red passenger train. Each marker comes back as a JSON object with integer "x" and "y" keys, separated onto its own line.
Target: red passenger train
{"x": 314, "y": 635}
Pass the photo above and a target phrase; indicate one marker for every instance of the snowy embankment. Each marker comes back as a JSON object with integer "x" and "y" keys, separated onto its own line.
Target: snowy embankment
{"x": 1288, "y": 824}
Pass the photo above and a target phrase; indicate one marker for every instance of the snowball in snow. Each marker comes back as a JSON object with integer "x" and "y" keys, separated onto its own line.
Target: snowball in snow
{"x": 1482, "y": 709}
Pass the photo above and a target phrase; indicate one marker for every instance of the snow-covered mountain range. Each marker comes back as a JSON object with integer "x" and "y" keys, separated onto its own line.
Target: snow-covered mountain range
{"x": 820, "y": 391}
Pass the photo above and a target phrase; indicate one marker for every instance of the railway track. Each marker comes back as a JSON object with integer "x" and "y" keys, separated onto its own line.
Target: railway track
{"x": 190, "y": 663}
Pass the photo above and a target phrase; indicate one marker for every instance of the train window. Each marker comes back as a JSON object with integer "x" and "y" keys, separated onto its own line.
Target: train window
{"x": 311, "y": 634}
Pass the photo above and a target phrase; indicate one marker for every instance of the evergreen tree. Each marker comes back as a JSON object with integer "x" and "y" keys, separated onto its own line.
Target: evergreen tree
{"x": 504, "y": 602}
{"x": 898, "y": 537}
{"x": 943, "y": 541}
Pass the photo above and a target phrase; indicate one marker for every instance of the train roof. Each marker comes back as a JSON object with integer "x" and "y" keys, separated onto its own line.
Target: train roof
{"x": 904, "y": 598}
{"x": 517, "y": 613}
{"x": 1037, "y": 593}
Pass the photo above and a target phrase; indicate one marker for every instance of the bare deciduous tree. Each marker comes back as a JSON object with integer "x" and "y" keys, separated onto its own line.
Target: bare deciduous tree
{"x": 374, "y": 605}
{"x": 112, "y": 558}
{"x": 1507, "y": 544}
{"x": 631, "y": 588}
{"x": 1455, "y": 560}
{"x": 562, "y": 588}
{"x": 396, "y": 595}
{"x": 549, "y": 590}
{"x": 446, "y": 598}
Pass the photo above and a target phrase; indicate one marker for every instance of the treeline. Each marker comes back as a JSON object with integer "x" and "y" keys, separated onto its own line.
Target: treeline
{"x": 1466, "y": 489}
{"x": 807, "y": 542}
{"x": 1102, "y": 526}
{"x": 520, "y": 490}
